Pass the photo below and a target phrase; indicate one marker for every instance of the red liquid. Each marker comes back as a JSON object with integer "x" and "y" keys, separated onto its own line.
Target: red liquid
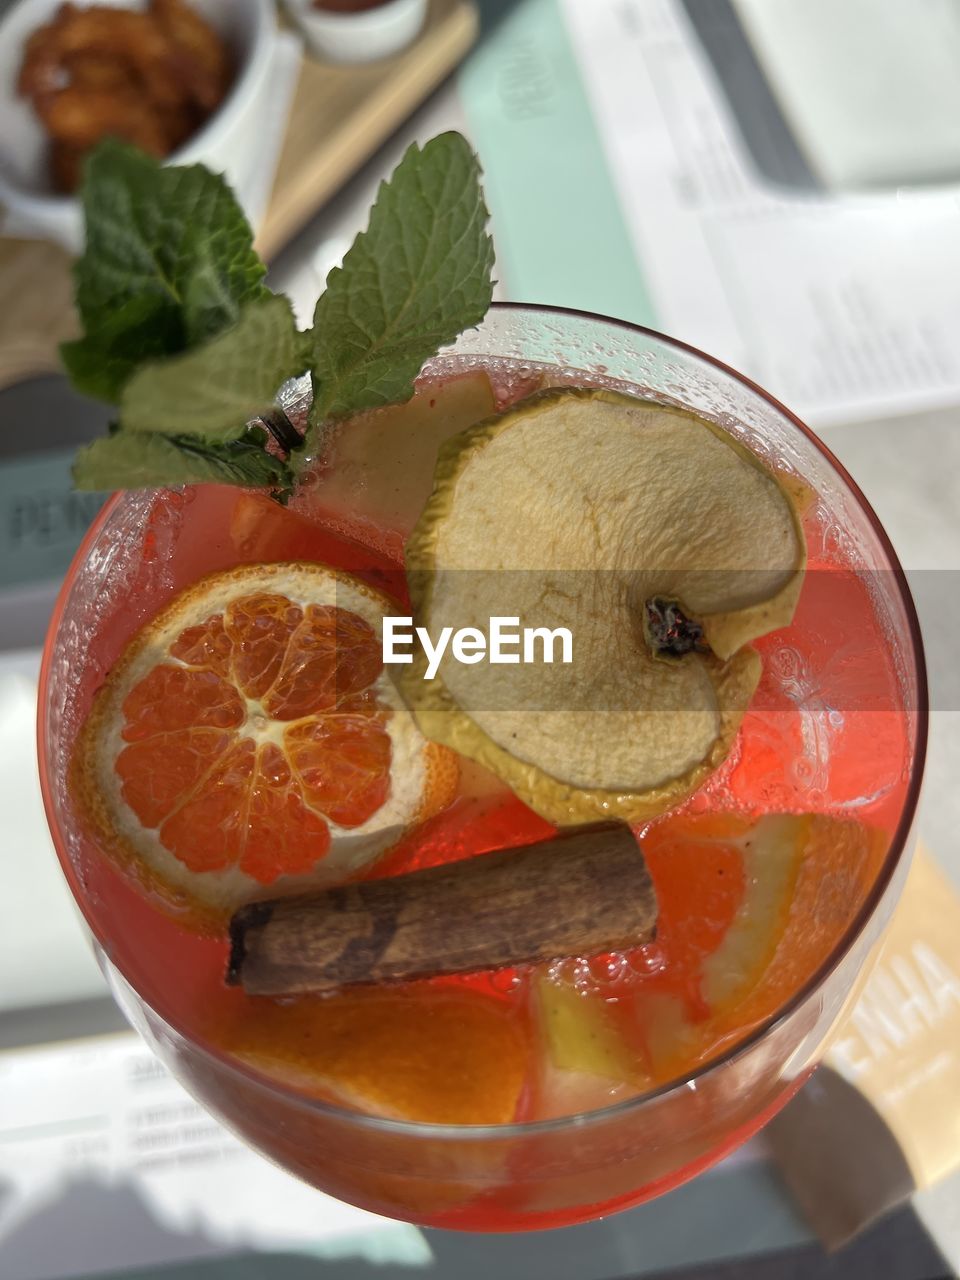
{"x": 824, "y": 735}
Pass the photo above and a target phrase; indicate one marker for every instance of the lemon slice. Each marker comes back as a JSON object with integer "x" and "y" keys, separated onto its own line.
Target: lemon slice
{"x": 772, "y": 851}
{"x": 616, "y": 519}
{"x": 808, "y": 876}
{"x": 248, "y": 741}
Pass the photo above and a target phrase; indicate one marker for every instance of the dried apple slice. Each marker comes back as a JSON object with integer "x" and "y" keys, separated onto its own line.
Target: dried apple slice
{"x": 660, "y": 543}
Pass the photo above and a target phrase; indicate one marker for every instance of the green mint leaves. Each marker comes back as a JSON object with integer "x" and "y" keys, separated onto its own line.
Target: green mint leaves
{"x": 183, "y": 336}
{"x": 126, "y": 460}
{"x": 417, "y": 277}
{"x": 169, "y": 262}
{"x": 214, "y": 389}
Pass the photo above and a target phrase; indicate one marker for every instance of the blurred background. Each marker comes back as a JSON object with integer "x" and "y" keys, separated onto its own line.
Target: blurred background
{"x": 777, "y": 183}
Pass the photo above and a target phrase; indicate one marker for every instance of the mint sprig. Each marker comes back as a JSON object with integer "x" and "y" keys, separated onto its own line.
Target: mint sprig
{"x": 415, "y": 279}
{"x": 134, "y": 461}
{"x": 214, "y": 389}
{"x": 183, "y": 336}
{"x": 169, "y": 262}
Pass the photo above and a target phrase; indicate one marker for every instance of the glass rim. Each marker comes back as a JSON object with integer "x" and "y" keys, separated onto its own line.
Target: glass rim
{"x": 599, "y": 1115}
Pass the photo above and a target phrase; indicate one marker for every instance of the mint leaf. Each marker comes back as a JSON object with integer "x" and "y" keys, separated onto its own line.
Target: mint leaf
{"x": 213, "y": 390}
{"x": 130, "y": 460}
{"x": 168, "y": 263}
{"x": 180, "y": 330}
{"x": 417, "y": 277}
{"x": 102, "y": 361}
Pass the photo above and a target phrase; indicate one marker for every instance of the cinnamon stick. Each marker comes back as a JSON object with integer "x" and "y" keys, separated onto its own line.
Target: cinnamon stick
{"x": 583, "y": 892}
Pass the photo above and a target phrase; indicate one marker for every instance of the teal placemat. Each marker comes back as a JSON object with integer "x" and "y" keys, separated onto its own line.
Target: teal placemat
{"x": 42, "y": 518}
{"x": 559, "y": 232}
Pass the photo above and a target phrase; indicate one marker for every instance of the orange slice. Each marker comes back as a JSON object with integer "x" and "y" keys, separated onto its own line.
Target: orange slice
{"x": 248, "y": 741}
{"x": 433, "y": 1055}
{"x": 749, "y": 910}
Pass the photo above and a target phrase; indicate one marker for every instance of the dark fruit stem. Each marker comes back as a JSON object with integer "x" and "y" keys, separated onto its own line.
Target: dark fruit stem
{"x": 282, "y": 429}
{"x": 670, "y": 632}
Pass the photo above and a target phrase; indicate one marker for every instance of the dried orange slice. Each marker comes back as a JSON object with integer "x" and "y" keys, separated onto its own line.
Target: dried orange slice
{"x": 249, "y": 741}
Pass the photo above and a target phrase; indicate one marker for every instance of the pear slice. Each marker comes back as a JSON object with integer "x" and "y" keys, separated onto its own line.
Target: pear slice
{"x": 378, "y": 465}
{"x": 585, "y": 1062}
{"x": 581, "y": 1036}
{"x": 604, "y": 514}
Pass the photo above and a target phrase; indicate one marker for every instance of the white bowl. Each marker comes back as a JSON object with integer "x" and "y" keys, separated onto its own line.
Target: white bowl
{"x": 227, "y": 142}
{"x": 366, "y": 36}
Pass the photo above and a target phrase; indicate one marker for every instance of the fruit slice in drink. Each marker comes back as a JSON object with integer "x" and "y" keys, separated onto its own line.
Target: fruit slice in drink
{"x": 749, "y": 908}
{"x": 439, "y": 1054}
{"x": 656, "y": 543}
{"x": 249, "y": 739}
{"x": 376, "y": 472}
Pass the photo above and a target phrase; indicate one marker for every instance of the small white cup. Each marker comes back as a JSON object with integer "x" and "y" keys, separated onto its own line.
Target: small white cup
{"x": 359, "y": 37}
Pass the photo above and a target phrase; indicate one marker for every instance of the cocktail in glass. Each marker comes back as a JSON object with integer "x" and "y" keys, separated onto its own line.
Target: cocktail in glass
{"x": 836, "y": 732}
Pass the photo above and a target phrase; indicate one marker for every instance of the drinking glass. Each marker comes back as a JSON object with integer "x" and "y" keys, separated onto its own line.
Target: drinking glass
{"x": 555, "y": 1171}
